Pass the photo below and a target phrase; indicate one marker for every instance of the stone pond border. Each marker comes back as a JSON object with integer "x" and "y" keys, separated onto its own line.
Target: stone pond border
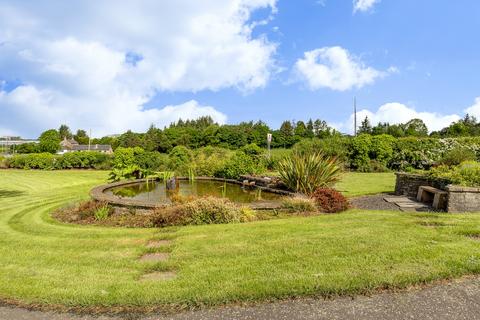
{"x": 98, "y": 193}
{"x": 459, "y": 199}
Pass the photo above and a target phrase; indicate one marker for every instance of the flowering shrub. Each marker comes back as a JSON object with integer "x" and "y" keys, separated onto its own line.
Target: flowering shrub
{"x": 466, "y": 174}
{"x": 330, "y": 200}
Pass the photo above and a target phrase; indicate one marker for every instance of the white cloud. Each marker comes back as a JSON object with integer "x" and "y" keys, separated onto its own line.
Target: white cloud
{"x": 363, "y": 5}
{"x": 475, "y": 109}
{"x": 395, "y": 113}
{"x": 335, "y": 68}
{"x": 71, "y": 59}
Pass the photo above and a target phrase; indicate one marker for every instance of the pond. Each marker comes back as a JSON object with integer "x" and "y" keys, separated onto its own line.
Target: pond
{"x": 156, "y": 193}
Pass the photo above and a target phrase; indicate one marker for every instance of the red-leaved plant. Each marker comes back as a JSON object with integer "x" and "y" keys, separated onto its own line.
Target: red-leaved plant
{"x": 330, "y": 200}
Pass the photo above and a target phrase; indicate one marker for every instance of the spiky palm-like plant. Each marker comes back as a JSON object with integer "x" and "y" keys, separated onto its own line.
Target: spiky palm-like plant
{"x": 305, "y": 172}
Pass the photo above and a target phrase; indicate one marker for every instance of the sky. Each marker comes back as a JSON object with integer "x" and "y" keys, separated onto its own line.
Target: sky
{"x": 109, "y": 66}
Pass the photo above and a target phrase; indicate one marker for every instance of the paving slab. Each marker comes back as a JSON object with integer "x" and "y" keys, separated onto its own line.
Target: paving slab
{"x": 159, "y": 256}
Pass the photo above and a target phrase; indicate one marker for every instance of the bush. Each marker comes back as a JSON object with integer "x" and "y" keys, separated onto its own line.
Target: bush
{"x": 83, "y": 160}
{"x": 458, "y": 155}
{"x": 209, "y": 160}
{"x": 466, "y": 174}
{"x": 252, "y": 150}
{"x": 336, "y": 146}
{"x": 239, "y": 164}
{"x": 299, "y": 205}
{"x": 151, "y": 161}
{"x": 207, "y": 210}
{"x": 3, "y": 162}
{"x": 305, "y": 173}
{"x": 359, "y": 152}
{"x": 43, "y": 161}
{"x": 330, "y": 200}
{"x": 179, "y": 159}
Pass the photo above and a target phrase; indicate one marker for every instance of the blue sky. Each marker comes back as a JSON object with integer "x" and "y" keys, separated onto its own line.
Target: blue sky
{"x": 111, "y": 67}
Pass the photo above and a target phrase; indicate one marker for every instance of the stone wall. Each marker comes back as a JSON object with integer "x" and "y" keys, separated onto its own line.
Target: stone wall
{"x": 407, "y": 184}
{"x": 463, "y": 199}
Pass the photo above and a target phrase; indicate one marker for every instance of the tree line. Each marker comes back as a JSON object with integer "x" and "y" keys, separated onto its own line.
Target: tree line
{"x": 204, "y": 131}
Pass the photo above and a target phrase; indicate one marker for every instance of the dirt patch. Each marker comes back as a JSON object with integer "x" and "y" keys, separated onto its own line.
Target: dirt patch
{"x": 158, "y": 243}
{"x": 155, "y": 257}
{"x": 159, "y": 276}
{"x": 375, "y": 202}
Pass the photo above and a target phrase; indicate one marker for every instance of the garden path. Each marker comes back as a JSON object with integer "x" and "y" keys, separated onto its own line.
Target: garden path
{"x": 458, "y": 299}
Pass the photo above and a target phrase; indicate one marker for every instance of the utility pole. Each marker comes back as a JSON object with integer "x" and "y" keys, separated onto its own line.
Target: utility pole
{"x": 355, "y": 116}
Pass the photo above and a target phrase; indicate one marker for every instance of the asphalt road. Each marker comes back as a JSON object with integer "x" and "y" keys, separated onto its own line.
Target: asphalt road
{"x": 454, "y": 300}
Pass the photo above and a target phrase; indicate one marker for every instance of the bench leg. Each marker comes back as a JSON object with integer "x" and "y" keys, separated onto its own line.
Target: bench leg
{"x": 419, "y": 195}
{"x": 436, "y": 200}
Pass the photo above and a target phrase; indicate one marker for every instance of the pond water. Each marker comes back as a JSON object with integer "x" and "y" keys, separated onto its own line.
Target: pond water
{"x": 156, "y": 192}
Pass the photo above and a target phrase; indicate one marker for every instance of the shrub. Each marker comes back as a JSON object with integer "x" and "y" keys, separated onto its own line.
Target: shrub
{"x": 299, "y": 204}
{"x": 125, "y": 165}
{"x": 252, "y": 149}
{"x": 3, "y": 162}
{"x": 43, "y": 161}
{"x": 359, "y": 152}
{"x": 336, "y": 146}
{"x": 179, "y": 159}
{"x": 239, "y": 164}
{"x": 151, "y": 161}
{"x": 458, "y": 155}
{"x": 330, "y": 200}
{"x": 467, "y": 174}
{"x": 206, "y": 210}
{"x": 305, "y": 173}
{"x": 209, "y": 160}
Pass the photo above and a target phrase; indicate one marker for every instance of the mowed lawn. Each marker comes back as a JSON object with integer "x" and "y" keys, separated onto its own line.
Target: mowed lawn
{"x": 43, "y": 261}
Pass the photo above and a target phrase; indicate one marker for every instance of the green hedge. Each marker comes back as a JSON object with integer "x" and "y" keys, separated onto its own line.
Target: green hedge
{"x": 48, "y": 161}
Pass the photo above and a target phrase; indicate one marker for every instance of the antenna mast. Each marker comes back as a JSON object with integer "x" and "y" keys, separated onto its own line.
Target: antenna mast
{"x": 355, "y": 116}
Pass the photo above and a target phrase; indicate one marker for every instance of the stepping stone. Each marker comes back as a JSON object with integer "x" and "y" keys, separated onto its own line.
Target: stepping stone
{"x": 152, "y": 257}
{"x": 393, "y": 199}
{"x": 159, "y": 276}
{"x": 158, "y": 243}
{"x": 404, "y": 201}
{"x": 411, "y": 205}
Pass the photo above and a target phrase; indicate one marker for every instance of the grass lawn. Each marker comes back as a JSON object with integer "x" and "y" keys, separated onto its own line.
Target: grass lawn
{"x": 355, "y": 184}
{"x": 43, "y": 261}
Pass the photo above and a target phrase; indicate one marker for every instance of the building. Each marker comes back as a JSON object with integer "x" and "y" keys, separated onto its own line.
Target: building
{"x": 70, "y": 145}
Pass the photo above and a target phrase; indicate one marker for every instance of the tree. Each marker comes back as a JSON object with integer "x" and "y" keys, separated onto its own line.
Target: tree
{"x": 81, "y": 137}
{"x": 365, "y": 127}
{"x": 416, "y": 128}
{"x": 300, "y": 130}
{"x": 285, "y": 136}
{"x": 49, "y": 141}
{"x": 65, "y": 132}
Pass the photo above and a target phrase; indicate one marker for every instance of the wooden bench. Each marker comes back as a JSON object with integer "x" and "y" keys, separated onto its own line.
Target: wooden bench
{"x": 437, "y": 197}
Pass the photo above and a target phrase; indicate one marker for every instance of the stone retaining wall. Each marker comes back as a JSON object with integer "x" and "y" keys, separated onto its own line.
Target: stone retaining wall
{"x": 460, "y": 199}
{"x": 463, "y": 199}
{"x": 407, "y": 184}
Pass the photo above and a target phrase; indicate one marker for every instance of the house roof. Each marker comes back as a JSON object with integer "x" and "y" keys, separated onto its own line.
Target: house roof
{"x": 93, "y": 147}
